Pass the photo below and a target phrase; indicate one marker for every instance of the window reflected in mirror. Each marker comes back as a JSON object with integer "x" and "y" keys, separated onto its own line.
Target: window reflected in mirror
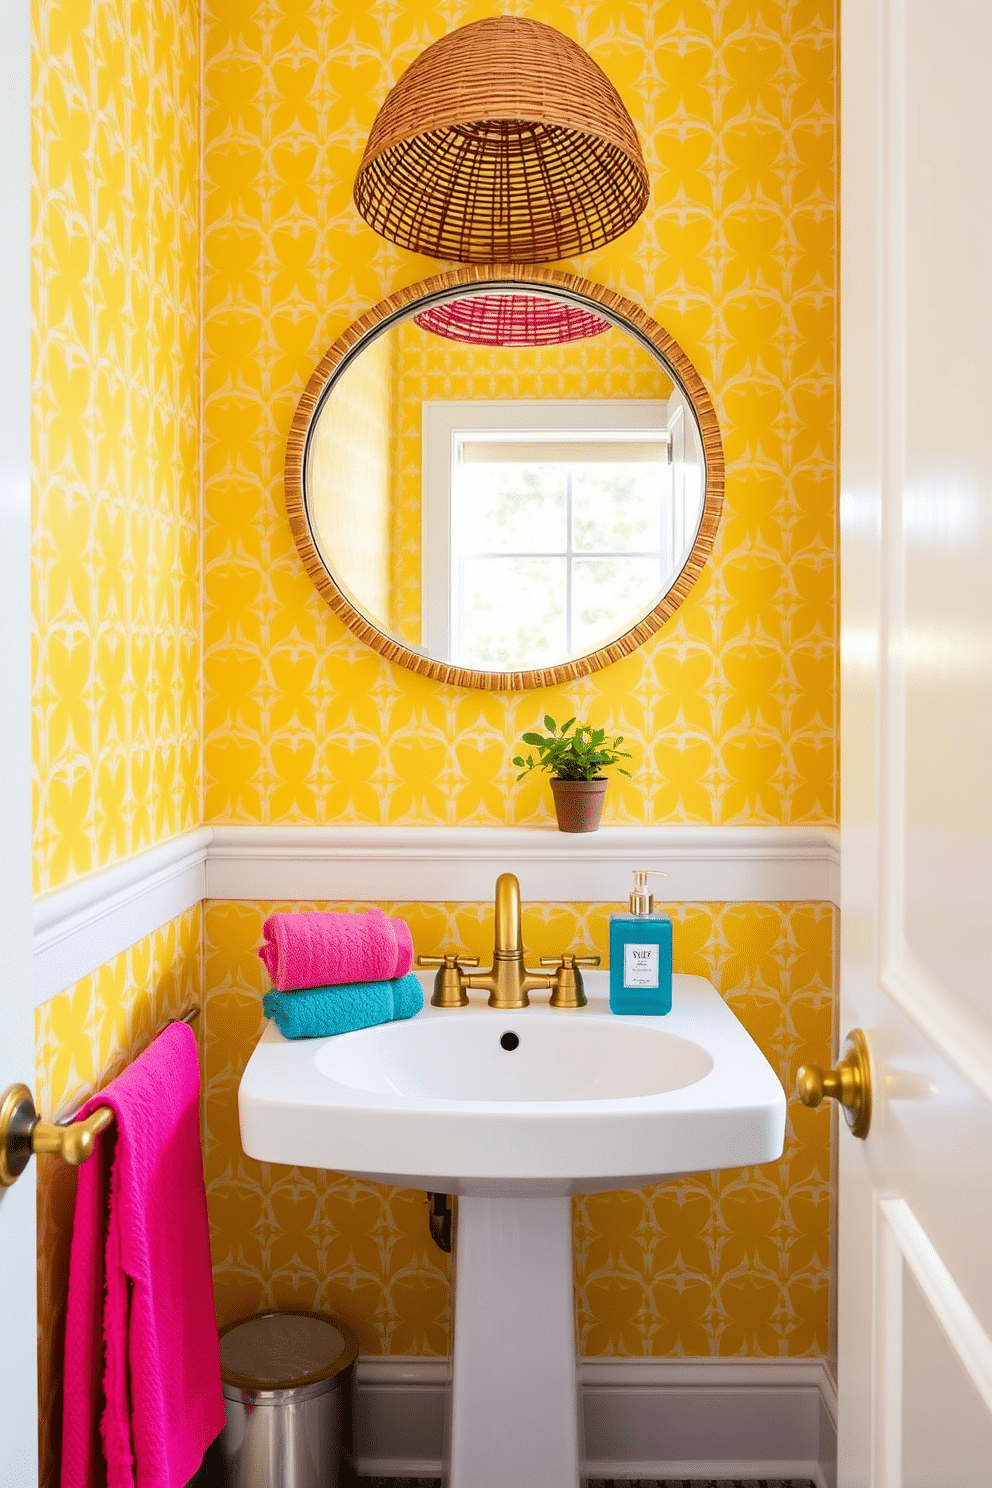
{"x": 556, "y": 535}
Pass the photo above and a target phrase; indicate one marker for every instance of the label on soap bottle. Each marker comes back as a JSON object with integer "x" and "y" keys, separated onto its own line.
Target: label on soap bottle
{"x": 640, "y": 965}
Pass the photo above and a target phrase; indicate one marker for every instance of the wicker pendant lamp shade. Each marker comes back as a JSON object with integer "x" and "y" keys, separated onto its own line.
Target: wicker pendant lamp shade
{"x": 503, "y": 142}
{"x": 510, "y": 320}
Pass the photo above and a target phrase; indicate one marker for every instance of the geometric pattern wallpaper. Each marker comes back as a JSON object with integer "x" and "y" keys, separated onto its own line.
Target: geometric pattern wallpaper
{"x": 731, "y": 1263}
{"x": 115, "y": 430}
{"x": 729, "y": 709}
{"x": 181, "y": 300}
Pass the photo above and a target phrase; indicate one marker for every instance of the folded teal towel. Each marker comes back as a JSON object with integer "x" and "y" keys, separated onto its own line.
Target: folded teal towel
{"x": 319, "y": 1011}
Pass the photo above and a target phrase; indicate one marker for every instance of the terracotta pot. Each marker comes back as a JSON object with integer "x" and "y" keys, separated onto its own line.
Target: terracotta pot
{"x": 578, "y": 803}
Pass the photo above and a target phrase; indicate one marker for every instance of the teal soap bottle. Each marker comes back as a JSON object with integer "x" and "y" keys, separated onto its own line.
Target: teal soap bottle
{"x": 641, "y": 955}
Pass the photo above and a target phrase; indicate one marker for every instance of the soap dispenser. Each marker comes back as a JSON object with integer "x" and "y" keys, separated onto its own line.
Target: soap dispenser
{"x": 641, "y": 954}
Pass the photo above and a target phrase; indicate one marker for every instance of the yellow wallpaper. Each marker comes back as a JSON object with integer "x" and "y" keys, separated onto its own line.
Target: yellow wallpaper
{"x": 611, "y": 365}
{"x": 735, "y": 1263}
{"x": 84, "y": 1037}
{"x": 731, "y": 707}
{"x": 115, "y": 430}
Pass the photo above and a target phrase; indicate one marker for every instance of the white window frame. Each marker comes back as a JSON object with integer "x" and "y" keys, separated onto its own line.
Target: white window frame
{"x": 444, "y": 422}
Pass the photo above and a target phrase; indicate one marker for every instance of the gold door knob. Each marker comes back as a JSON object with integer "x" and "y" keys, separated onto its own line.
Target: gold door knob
{"x": 849, "y": 1084}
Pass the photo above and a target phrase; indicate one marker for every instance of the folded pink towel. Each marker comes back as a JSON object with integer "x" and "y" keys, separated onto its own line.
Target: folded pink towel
{"x": 323, "y": 948}
{"x": 140, "y": 1286}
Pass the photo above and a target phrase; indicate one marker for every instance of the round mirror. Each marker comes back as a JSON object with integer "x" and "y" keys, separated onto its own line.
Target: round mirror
{"x": 504, "y": 478}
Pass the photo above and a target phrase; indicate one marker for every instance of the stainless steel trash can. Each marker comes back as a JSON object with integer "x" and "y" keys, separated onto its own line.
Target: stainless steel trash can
{"x": 287, "y": 1394}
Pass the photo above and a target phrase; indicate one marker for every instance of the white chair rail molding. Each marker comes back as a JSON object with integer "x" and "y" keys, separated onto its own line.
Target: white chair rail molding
{"x": 80, "y": 927}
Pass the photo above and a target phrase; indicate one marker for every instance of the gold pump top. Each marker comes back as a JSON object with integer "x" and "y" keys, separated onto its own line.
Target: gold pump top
{"x": 641, "y": 901}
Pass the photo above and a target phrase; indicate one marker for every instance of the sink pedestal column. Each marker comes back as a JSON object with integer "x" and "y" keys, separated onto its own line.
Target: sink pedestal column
{"x": 514, "y": 1412}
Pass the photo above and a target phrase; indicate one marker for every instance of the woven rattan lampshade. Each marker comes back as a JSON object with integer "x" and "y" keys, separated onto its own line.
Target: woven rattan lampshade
{"x": 510, "y": 320}
{"x": 504, "y": 142}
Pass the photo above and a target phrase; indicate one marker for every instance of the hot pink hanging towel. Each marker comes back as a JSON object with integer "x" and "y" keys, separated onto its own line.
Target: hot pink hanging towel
{"x": 140, "y": 1289}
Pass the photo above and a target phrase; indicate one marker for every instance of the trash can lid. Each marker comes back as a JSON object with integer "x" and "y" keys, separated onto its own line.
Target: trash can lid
{"x": 285, "y": 1350}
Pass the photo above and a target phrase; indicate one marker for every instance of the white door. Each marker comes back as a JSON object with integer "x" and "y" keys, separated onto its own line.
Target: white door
{"x": 915, "y": 1356}
{"x": 18, "y": 1348}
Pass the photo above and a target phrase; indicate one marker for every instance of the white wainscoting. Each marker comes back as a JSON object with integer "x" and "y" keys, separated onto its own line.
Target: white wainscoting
{"x": 84, "y": 925}
{"x": 644, "y": 1418}
{"x": 80, "y": 927}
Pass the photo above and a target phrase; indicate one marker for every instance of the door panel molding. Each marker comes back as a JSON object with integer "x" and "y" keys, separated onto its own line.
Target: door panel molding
{"x": 892, "y": 333}
{"x": 934, "y": 1006}
{"x": 887, "y": 1345}
{"x": 910, "y": 1245}
{"x": 902, "y": 1244}
{"x": 948, "y": 1022}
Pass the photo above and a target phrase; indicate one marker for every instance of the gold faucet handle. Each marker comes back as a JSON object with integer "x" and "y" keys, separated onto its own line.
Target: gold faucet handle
{"x": 570, "y": 961}
{"x": 448, "y": 988}
{"x": 449, "y": 960}
{"x": 568, "y": 989}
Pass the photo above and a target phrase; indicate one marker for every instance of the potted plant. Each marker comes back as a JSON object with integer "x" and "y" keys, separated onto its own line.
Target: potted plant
{"x": 575, "y": 756}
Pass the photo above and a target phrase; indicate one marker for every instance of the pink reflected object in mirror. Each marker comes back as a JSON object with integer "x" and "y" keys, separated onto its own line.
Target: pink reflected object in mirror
{"x": 511, "y": 320}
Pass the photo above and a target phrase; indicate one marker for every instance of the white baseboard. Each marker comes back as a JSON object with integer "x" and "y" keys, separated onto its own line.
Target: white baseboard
{"x": 644, "y": 1418}
{"x": 80, "y": 927}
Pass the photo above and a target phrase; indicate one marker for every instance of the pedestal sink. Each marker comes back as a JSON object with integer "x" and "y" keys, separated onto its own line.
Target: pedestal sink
{"x": 515, "y": 1112}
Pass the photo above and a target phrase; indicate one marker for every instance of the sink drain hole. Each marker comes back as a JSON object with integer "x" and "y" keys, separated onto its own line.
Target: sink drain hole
{"x": 509, "y": 1041}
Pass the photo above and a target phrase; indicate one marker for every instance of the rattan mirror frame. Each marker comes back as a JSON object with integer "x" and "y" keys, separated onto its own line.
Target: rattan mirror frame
{"x": 622, "y": 312}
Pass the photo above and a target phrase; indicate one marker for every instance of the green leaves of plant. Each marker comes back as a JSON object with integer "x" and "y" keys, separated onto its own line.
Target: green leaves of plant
{"x": 582, "y": 755}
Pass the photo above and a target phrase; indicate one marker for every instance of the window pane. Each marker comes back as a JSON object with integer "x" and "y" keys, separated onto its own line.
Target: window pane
{"x": 512, "y": 613}
{"x": 508, "y": 508}
{"x": 617, "y": 508}
{"x": 609, "y": 596}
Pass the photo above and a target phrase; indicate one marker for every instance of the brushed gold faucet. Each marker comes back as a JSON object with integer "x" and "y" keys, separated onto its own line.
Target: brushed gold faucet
{"x": 508, "y": 980}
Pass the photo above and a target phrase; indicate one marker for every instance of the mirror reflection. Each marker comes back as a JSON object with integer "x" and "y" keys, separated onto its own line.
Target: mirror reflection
{"x": 504, "y": 481}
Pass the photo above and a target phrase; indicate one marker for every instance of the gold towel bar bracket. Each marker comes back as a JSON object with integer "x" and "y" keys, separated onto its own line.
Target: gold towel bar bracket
{"x": 23, "y": 1133}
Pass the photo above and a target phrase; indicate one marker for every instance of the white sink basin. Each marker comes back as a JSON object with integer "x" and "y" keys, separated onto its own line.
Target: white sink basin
{"x": 583, "y": 1102}
{"x": 536, "y": 1059}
